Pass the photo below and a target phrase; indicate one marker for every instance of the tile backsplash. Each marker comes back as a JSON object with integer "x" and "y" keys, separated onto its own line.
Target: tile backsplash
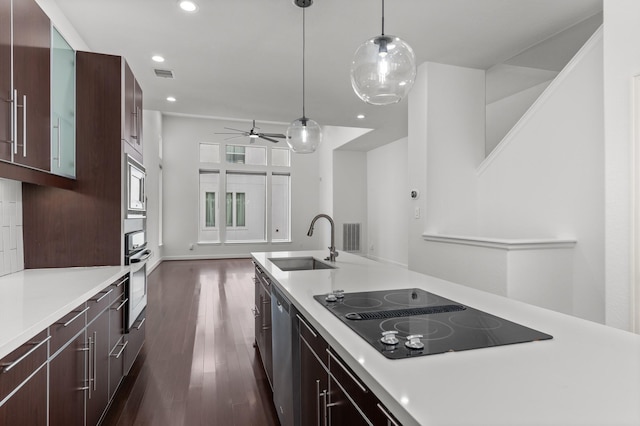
{"x": 11, "y": 243}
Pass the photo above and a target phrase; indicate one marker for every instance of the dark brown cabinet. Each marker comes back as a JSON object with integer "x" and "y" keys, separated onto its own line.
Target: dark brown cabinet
{"x": 117, "y": 343}
{"x": 97, "y": 196}
{"x": 314, "y": 376}
{"x": 98, "y": 367}
{"x": 23, "y": 375}
{"x": 330, "y": 393}
{"x": 262, "y": 314}
{"x": 6, "y": 91}
{"x": 135, "y": 340}
{"x": 32, "y": 84}
{"x": 68, "y": 383}
{"x": 132, "y": 111}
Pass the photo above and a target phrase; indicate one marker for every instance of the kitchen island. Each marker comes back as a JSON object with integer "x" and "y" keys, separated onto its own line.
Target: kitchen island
{"x": 588, "y": 374}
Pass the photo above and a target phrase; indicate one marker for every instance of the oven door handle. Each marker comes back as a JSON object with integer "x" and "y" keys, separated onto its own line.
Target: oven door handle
{"x": 143, "y": 256}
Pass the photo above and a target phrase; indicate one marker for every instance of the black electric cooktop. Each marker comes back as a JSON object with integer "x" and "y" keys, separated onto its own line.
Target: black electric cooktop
{"x": 416, "y": 323}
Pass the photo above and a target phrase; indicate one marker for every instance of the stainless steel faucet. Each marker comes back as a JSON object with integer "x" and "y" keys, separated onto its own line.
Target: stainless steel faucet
{"x": 333, "y": 253}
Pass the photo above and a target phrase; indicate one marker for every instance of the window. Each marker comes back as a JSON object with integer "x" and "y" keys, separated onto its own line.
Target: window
{"x": 247, "y": 154}
{"x": 209, "y": 230}
{"x": 210, "y": 209}
{"x": 242, "y": 198}
{"x": 246, "y": 201}
{"x": 235, "y": 154}
{"x": 210, "y": 153}
{"x": 236, "y": 209}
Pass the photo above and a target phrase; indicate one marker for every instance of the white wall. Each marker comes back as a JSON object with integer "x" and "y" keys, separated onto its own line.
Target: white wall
{"x": 504, "y": 113}
{"x": 387, "y": 203}
{"x": 181, "y": 139}
{"x": 621, "y": 64}
{"x": 445, "y": 145}
{"x": 547, "y": 178}
{"x": 152, "y": 141}
{"x": 60, "y": 21}
{"x": 333, "y": 138}
{"x": 350, "y": 193}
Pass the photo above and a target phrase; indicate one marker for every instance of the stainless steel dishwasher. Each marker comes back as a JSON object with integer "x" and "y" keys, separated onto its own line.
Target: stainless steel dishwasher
{"x": 284, "y": 397}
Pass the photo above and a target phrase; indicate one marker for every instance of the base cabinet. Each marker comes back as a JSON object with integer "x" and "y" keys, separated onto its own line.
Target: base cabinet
{"x": 135, "y": 340}
{"x": 330, "y": 393}
{"x": 68, "y": 384}
{"x": 23, "y": 375}
{"x": 98, "y": 368}
{"x": 262, "y": 314}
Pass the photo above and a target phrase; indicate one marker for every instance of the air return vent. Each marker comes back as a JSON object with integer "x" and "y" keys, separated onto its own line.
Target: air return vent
{"x": 351, "y": 237}
{"x": 163, "y": 73}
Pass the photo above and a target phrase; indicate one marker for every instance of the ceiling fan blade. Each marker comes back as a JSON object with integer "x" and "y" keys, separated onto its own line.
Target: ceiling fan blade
{"x": 228, "y": 133}
{"x": 234, "y": 137}
{"x": 237, "y": 130}
{"x": 262, "y": 136}
{"x": 273, "y": 135}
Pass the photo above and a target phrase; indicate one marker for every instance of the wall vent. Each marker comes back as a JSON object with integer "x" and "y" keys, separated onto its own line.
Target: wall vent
{"x": 163, "y": 73}
{"x": 351, "y": 237}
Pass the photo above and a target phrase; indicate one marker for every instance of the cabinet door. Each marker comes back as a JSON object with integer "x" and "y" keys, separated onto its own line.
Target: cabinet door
{"x": 28, "y": 406}
{"x": 31, "y": 73}
{"x": 67, "y": 384}
{"x": 129, "y": 105}
{"x": 313, "y": 387}
{"x": 117, "y": 343}
{"x": 98, "y": 368}
{"x": 340, "y": 410}
{"x": 137, "y": 116}
{"x": 267, "y": 332}
{"x": 63, "y": 106}
{"x": 5, "y": 80}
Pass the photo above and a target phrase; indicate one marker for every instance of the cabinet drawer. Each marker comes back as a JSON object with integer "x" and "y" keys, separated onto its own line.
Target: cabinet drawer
{"x": 21, "y": 363}
{"x": 67, "y": 327}
{"x": 99, "y": 303}
{"x": 317, "y": 344}
{"x": 365, "y": 400}
{"x": 135, "y": 339}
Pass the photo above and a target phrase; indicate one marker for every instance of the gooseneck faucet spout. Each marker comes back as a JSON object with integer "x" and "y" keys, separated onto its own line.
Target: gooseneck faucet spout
{"x": 333, "y": 253}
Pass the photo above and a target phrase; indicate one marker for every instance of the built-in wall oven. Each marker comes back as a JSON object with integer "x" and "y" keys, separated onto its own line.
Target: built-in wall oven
{"x": 136, "y": 256}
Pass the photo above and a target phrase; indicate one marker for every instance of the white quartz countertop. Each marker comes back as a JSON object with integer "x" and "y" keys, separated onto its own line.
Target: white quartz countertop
{"x": 33, "y": 299}
{"x": 588, "y": 374}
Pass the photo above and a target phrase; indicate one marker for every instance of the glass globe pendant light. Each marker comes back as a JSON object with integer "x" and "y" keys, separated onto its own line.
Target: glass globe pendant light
{"x": 383, "y": 69}
{"x": 303, "y": 135}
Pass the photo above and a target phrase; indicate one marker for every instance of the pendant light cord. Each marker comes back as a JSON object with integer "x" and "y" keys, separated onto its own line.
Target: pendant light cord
{"x": 303, "y": 51}
{"x": 382, "y": 17}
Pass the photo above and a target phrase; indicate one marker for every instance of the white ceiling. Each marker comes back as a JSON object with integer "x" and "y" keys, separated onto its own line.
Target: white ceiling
{"x": 243, "y": 58}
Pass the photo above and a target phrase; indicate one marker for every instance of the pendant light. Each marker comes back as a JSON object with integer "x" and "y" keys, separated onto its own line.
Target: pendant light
{"x": 383, "y": 69}
{"x": 303, "y": 135}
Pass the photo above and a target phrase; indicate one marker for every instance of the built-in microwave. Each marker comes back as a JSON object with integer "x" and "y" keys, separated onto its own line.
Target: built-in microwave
{"x": 136, "y": 199}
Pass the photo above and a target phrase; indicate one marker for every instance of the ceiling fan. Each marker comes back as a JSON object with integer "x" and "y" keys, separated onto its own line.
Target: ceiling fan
{"x": 252, "y": 134}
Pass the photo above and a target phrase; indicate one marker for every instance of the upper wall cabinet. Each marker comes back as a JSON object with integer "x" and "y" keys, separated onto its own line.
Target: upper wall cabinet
{"x": 25, "y": 95}
{"x": 63, "y": 106}
{"x": 31, "y": 84}
{"x": 132, "y": 111}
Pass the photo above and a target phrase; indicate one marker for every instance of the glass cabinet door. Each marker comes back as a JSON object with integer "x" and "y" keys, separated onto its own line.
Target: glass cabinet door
{"x": 63, "y": 106}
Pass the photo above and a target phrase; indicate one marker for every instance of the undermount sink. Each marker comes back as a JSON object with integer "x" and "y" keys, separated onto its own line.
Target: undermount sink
{"x": 299, "y": 263}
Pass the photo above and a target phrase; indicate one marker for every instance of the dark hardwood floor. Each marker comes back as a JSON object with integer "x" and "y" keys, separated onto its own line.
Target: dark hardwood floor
{"x": 198, "y": 365}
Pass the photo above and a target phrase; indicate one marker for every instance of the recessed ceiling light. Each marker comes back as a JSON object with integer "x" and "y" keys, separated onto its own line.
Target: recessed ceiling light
{"x": 157, "y": 58}
{"x": 360, "y": 117}
{"x": 171, "y": 99}
{"x": 188, "y": 6}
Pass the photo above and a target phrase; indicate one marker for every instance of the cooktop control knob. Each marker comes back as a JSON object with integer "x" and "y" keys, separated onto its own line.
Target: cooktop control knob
{"x": 389, "y": 337}
{"x": 413, "y": 342}
{"x": 339, "y": 294}
{"x": 331, "y": 297}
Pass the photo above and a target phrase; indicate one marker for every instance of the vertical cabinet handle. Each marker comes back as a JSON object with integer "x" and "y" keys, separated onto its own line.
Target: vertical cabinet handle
{"x": 95, "y": 359}
{"x": 324, "y": 408}
{"x": 59, "y": 133}
{"x": 14, "y": 129}
{"x": 90, "y": 367}
{"x": 24, "y": 125}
